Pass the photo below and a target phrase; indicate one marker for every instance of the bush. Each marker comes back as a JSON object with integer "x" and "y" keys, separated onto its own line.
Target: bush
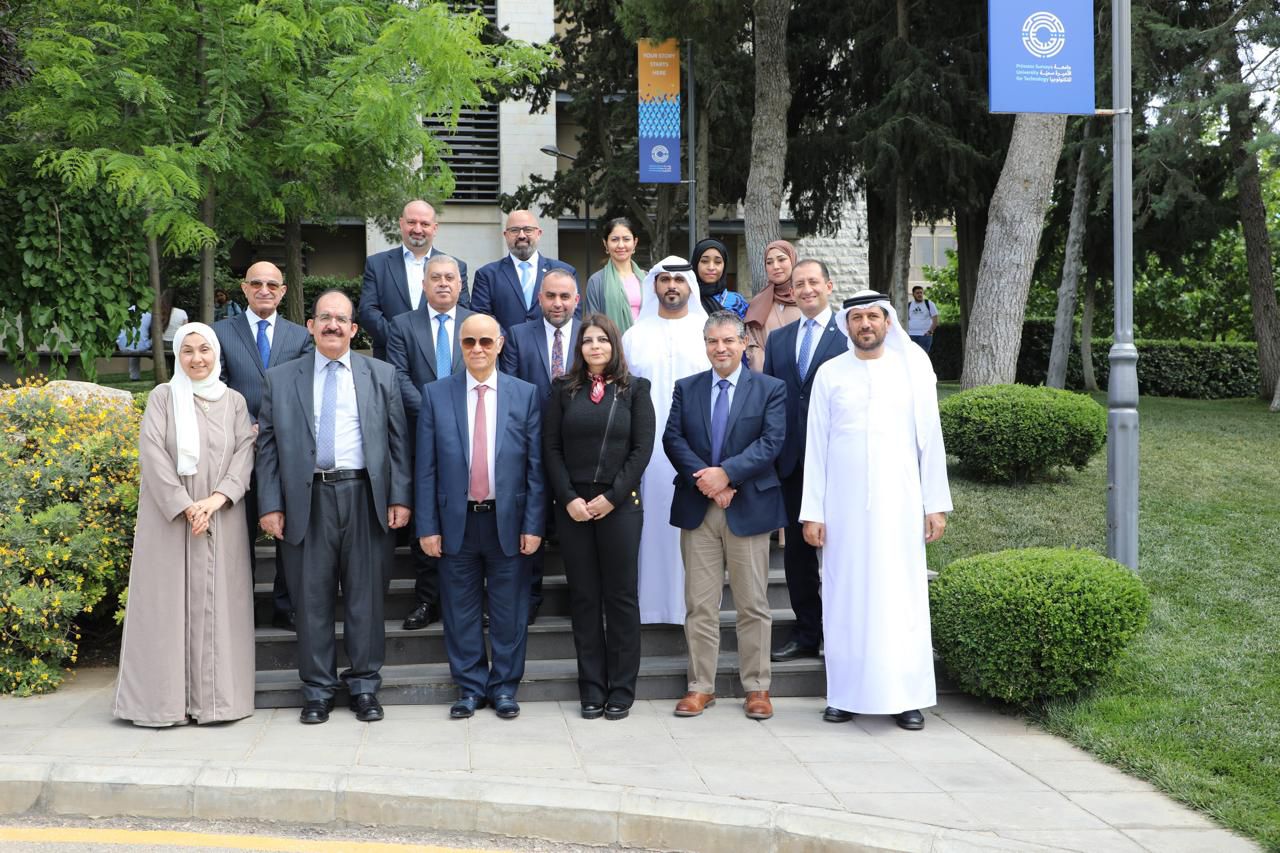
{"x": 1016, "y": 432}
{"x": 68, "y": 483}
{"x": 1035, "y": 623}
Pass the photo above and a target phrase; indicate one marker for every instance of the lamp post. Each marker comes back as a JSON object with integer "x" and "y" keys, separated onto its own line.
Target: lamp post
{"x": 553, "y": 151}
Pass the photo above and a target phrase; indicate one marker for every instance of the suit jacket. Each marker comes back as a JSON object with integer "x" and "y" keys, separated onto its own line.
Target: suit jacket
{"x": 287, "y": 442}
{"x": 242, "y": 368}
{"x": 524, "y": 355}
{"x": 756, "y": 430}
{"x": 497, "y": 291}
{"x": 443, "y": 468}
{"x": 384, "y": 295}
{"x": 411, "y": 349}
{"x": 780, "y": 362}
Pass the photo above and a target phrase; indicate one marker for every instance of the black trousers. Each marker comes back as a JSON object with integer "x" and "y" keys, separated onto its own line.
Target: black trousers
{"x": 280, "y": 594}
{"x": 800, "y": 560}
{"x": 344, "y": 544}
{"x": 426, "y": 572}
{"x": 601, "y": 560}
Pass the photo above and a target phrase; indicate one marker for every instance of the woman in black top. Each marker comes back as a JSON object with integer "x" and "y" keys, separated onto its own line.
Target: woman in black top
{"x": 596, "y": 440}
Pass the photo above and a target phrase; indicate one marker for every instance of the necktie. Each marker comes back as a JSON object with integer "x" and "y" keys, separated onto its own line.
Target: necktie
{"x": 326, "y": 452}
{"x": 444, "y": 352}
{"x": 806, "y": 349}
{"x": 480, "y": 450}
{"x": 557, "y": 356}
{"x": 719, "y": 420}
{"x": 526, "y": 283}
{"x": 264, "y": 345}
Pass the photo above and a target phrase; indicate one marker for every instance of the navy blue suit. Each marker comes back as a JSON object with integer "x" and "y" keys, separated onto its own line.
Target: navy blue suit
{"x": 384, "y": 294}
{"x": 498, "y": 293}
{"x": 799, "y": 557}
{"x": 481, "y": 549}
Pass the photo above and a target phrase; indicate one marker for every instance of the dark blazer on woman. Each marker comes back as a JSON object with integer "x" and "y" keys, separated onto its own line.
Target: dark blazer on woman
{"x": 577, "y": 447}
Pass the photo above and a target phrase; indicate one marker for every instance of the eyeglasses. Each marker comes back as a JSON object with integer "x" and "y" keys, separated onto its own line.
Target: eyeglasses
{"x": 527, "y": 230}
{"x": 340, "y": 319}
{"x": 485, "y": 343}
{"x": 258, "y": 284}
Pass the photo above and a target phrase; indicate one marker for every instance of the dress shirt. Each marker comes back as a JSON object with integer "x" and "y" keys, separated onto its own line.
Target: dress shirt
{"x": 450, "y": 325}
{"x": 348, "y": 443}
{"x": 532, "y": 262}
{"x": 415, "y": 270}
{"x": 253, "y": 319}
{"x": 490, "y": 421}
{"x": 733, "y": 386}
{"x": 822, "y": 320}
{"x": 566, "y": 343}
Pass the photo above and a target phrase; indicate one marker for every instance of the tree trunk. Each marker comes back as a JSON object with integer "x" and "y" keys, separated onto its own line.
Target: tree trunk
{"x": 1017, "y": 213}
{"x": 1086, "y": 333}
{"x": 763, "y": 204}
{"x": 663, "y": 209}
{"x": 971, "y": 229}
{"x": 207, "y": 252}
{"x": 901, "y": 269}
{"x": 295, "y": 299}
{"x": 1275, "y": 399}
{"x": 159, "y": 366}
{"x": 880, "y": 231}
{"x": 1064, "y": 321}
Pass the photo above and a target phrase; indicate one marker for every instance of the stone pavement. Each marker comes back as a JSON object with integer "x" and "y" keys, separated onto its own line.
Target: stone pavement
{"x": 972, "y": 780}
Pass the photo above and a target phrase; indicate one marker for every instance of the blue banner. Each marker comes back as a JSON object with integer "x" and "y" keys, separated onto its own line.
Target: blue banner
{"x": 659, "y": 88}
{"x": 1041, "y": 54}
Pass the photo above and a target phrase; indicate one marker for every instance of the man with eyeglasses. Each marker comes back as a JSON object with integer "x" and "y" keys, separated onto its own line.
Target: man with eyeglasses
{"x": 508, "y": 289}
{"x": 480, "y": 507}
{"x": 393, "y": 279}
{"x": 335, "y": 481}
{"x": 251, "y": 344}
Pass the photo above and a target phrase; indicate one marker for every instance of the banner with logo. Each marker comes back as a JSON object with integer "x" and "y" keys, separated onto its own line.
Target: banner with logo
{"x": 659, "y": 80}
{"x": 1041, "y": 54}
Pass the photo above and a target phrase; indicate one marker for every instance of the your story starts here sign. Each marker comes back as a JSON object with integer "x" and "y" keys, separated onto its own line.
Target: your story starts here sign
{"x": 1041, "y": 56}
{"x": 659, "y": 89}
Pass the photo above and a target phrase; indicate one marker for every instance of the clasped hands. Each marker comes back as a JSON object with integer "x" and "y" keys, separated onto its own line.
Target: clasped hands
{"x": 714, "y": 483}
{"x": 199, "y": 513}
{"x": 580, "y": 509}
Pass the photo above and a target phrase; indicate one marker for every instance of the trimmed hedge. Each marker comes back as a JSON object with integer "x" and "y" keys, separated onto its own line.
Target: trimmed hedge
{"x": 1015, "y": 433}
{"x": 1035, "y": 623}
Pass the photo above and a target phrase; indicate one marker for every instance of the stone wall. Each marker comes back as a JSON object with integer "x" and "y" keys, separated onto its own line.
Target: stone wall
{"x": 845, "y": 253}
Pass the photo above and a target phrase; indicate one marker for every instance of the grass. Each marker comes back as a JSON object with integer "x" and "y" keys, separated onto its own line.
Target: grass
{"x": 1194, "y": 706}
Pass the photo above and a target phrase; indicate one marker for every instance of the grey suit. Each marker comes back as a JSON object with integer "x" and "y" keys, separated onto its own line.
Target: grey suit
{"x": 334, "y": 531}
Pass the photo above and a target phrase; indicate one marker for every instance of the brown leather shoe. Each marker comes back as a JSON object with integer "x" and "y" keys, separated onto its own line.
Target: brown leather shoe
{"x": 758, "y": 706}
{"x": 693, "y": 704}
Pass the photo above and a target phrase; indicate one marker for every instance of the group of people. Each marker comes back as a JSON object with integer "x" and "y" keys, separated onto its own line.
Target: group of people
{"x": 659, "y": 425}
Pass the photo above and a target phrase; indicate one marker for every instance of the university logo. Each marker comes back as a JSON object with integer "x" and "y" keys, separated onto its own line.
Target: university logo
{"x": 660, "y": 154}
{"x": 1043, "y": 35}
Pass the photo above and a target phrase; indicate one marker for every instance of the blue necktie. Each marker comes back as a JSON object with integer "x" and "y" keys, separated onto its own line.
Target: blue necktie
{"x": 326, "y": 451}
{"x": 444, "y": 353}
{"x": 719, "y": 420}
{"x": 806, "y": 349}
{"x": 526, "y": 283}
{"x": 264, "y": 345}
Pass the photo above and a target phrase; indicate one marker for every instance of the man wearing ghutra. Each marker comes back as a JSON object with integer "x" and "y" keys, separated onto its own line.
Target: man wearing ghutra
{"x": 875, "y": 492}
{"x": 664, "y": 345}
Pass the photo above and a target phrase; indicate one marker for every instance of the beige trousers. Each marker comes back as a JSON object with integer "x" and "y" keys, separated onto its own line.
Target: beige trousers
{"x": 707, "y": 552}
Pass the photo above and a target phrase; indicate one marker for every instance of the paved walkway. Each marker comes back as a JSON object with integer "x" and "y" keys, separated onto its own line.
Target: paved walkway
{"x": 972, "y": 780}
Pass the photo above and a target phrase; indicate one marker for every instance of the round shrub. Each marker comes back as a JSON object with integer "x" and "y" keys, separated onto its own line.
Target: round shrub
{"x": 1015, "y": 433}
{"x": 1034, "y": 623}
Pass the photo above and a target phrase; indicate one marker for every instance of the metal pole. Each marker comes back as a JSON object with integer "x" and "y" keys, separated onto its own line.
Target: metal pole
{"x": 692, "y": 146}
{"x": 1122, "y": 384}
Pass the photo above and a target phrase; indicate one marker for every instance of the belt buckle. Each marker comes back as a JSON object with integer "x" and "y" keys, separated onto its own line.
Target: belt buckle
{"x": 482, "y": 506}
{"x": 324, "y": 477}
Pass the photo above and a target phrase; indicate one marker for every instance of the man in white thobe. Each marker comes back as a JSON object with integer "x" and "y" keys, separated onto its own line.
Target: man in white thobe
{"x": 875, "y": 491}
{"x": 664, "y": 345}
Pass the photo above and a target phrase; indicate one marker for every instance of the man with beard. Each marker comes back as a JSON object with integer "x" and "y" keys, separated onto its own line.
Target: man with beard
{"x": 875, "y": 492}
{"x": 393, "y": 279}
{"x": 507, "y": 289}
{"x": 663, "y": 346}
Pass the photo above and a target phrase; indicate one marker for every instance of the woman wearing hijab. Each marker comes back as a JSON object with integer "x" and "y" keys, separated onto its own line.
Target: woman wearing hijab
{"x": 615, "y": 289}
{"x": 188, "y": 651}
{"x": 774, "y": 306}
{"x": 709, "y": 259}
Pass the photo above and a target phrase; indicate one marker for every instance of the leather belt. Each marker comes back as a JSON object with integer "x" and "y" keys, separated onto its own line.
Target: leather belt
{"x": 344, "y": 474}
{"x": 480, "y": 506}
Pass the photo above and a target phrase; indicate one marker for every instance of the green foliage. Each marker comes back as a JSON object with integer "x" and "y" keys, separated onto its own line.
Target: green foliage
{"x": 68, "y": 482}
{"x": 1035, "y": 623}
{"x": 1014, "y": 433}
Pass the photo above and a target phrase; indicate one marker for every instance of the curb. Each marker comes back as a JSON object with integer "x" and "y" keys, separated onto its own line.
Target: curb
{"x": 595, "y": 814}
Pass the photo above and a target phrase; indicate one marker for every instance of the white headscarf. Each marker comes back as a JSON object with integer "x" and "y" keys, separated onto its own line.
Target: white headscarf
{"x": 649, "y": 299}
{"x": 183, "y": 390}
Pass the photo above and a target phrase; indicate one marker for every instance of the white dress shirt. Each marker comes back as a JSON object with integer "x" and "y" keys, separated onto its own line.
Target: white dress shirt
{"x": 533, "y": 261}
{"x": 450, "y": 325}
{"x": 733, "y": 386}
{"x": 415, "y": 270}
{"x": 821, "y": 320}
{"x": 490, "y": 422}
{"x": 348, "y": 442}
{"x": 253, "y": 320}
{"x": 566, "y": 343}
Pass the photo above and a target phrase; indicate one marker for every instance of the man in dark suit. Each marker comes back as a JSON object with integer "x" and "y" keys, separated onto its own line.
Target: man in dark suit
{"x": 250, "y": 345}
{"x": 539, "y": 352}
{"x": 793, "y": 354}
{"x": 334, "y": 479}
{"x": 723, "y": 442}
{"x": 480, "y": 494}
{"x": 423, "y": 346}
{"x": 393, "y": 279}
{"x": 508, "y": 289}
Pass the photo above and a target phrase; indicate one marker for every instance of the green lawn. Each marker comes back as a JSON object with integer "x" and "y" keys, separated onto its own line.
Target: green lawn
{"x": 1194, "y": 707}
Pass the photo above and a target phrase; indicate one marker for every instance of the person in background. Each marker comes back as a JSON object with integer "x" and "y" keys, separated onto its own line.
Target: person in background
{"x": 775, "y": 305}
{"x": 710, "y": 260}
{"x": 134, "y": 341}
{"x": 616, "y": 288}
{"x": 224, "y": 306}
{"x": 172, "y": 318}
{"x": 922, "y": 319}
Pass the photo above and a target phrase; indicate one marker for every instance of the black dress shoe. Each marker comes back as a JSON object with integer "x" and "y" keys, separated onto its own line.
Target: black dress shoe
{"x": 910, "y": 720}
{"x": 284, "y": 620}
{"x": 466, "y": 707}
{"x": 835, "y": 715}
{"x": 367, "y": 707}
{"x": 533, "y": 612}
{"x": 422, "y": 616}
{"x": 316, "y": 711}
{"x": 616, "y": 711}
{"x": 506, "y": 706}
{"x": 592, "y": 710}
{"x": 792, "y": 650}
